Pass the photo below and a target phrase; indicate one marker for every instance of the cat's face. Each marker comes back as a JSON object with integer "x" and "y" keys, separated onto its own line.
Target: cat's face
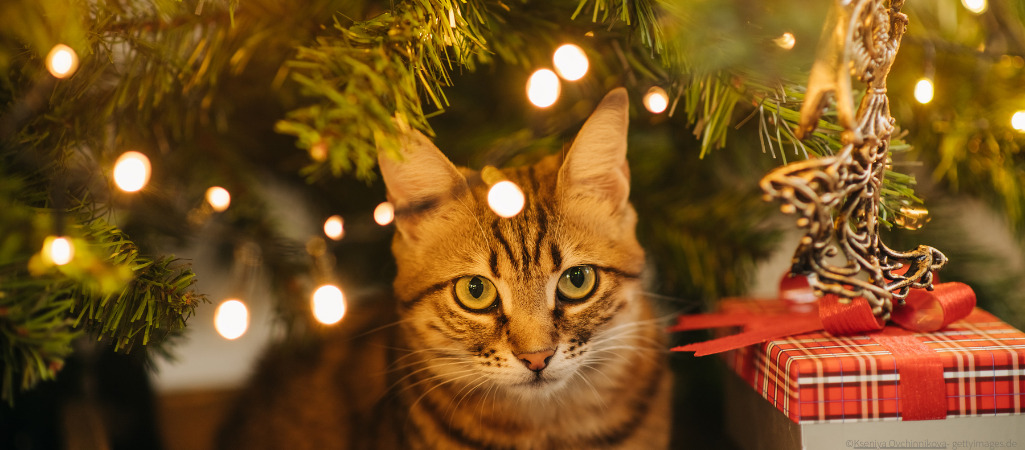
{"x": 524, "y": 303}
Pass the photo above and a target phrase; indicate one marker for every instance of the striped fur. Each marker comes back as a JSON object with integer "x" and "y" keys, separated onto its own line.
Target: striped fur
{"x": 453, "y": 376}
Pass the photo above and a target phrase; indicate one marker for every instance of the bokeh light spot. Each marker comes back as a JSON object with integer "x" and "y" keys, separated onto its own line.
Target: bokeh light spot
{"x": 328, "y": 304}
{"x": 231, "y": 320}
{"x": 131, "y": 171}
{"x": 543, "y": 88}
{"x": 506, "y": 199}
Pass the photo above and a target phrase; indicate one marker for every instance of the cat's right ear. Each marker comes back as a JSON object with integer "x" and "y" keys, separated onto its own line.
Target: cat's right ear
{"x": 595, "y": 166}
{"x": 423, "y": 176}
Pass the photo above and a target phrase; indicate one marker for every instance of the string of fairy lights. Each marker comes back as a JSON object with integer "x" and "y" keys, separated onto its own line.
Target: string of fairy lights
{"x": 132, "y": 170}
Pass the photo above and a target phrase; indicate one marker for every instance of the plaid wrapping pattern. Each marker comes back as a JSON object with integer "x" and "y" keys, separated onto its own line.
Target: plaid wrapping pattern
{"x": 818, "y": 377}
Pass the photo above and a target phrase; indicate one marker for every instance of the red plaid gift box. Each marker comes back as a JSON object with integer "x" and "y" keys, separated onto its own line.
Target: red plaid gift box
{"x": 817, "y": 377}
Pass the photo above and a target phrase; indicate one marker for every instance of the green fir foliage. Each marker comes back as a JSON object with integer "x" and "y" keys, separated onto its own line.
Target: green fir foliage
{"x": 107, "y": 289}
{"x": 223, "y": 91}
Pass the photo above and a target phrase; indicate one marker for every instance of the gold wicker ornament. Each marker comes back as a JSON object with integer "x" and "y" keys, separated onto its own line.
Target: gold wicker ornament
{"x": 837, "y": 197}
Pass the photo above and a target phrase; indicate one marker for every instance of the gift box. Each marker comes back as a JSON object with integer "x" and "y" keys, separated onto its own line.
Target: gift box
{"x": 819, "y": 390}
{"x": 818, "y": 377}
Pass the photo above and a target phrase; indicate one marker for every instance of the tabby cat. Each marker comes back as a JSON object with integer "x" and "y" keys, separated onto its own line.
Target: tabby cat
{"x": 527, "y": 332}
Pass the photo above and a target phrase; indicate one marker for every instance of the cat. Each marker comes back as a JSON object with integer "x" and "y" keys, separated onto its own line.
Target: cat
{"x": 526, "y": 332}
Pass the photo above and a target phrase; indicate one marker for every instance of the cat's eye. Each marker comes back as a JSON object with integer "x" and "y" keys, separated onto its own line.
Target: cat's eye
{"x": 476, "y": 293}
{"x": 577, "y": 283}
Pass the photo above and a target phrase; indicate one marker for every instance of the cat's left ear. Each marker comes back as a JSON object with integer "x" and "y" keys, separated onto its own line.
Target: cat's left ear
{"x": 595, "y": 165}
{"x": 424, "y": 175}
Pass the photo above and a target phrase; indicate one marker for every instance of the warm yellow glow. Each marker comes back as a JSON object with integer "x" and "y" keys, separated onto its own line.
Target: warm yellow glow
{"x": 506, "y": 199}
{"x": 231, "y": 319}
{"x": 384, "y": 213}
{"x": 131, "y": 171}
{"x": 328, "y": 304}
{"x": 219, "y": 198}
{"x": 975, "y": 6}
{"x": 61, "y": 61}
{"x": 1018, "y": 121}
{"x": 59, "y": 250}
{"x": 543, "y": 88}
{"x": 924, "y": 91}
{"x": 656, "y": 100}
{"x": 318, "y": 151}
{"x": 334, "y": 228}
{"x": 786, "y": 41}
{"x": 570, "y": 62}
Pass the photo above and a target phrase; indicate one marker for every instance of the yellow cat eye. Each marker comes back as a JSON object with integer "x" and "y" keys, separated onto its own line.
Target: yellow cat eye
{"x": 476, "y": 293}
{"x": 577, "y": 283}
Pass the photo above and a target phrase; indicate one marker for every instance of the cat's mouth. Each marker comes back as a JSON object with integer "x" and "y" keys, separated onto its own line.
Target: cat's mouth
{"x": 538, "y": 380}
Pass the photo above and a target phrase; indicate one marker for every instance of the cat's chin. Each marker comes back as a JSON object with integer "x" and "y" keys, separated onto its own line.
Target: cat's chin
{"x": 537, "y": 386}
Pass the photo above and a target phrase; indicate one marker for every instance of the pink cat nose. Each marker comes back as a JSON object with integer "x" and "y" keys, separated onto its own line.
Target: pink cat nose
{"x": 536, "y": 361}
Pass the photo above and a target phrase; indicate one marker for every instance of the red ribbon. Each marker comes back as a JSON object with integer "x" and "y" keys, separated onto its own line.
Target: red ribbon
{"x": 923, "y": 394}
{"x": 921, "y": 373}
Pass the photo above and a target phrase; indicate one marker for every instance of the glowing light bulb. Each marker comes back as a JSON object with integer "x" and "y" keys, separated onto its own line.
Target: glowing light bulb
{"x": 231, "y": 320}
{"x": 924, "y": 90}
{"x": 328, "y": 304}
{"x": 334, "y": 228}
{"x": 319, "y": 152}
{"x": 975, "y": 6}
{"x": 506, "y": 199}
{"x": 131, "y": 171}
{"x": 786, "y": 41}
{"x": 219, "y": 198}
{"x": 570, "y": 62}
{"x": 1018, "y": 121}
{"x": 656, "y": 100}
{"x": 543, "y": 88}
{"x": 62, "y": 61}
{"x": 384, "y": 213}
{"x": 59, "y": 250}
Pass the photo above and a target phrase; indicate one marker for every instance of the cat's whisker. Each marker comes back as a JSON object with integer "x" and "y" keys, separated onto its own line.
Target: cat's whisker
{"x": 595, "y": 369}
{"x": 612, "y": 332}
{"x": 633, "y": 352}
{"x": 623, "y": 331}
{"x": 425, "y": 368}
{"x": 447, "y": 379}
{"x": 597, "y": 396}
{"x": 383, "y": 327}
{"x": 450, "y": 380}
{"x": 481, "y": 403}
{"x": 437, "y": 362}
{"x": 399, "y": 362}
{"x": 468, "y": 389}
{"x": 455, "y": 407}
{"x": 640, "y": 323}
{"x": 635, "y": 340}
{"x": 434, "y": 354}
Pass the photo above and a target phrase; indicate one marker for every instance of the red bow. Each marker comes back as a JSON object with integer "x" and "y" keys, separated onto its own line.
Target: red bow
{"x": 922, "y": 311}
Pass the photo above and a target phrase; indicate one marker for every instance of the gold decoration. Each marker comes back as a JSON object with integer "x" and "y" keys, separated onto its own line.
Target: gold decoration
{"x": 837, "y": 197}
{"x": 912, "y": 217}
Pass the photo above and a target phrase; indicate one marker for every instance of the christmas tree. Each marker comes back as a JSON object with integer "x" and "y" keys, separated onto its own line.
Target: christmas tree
{"x": 228, "y": 102}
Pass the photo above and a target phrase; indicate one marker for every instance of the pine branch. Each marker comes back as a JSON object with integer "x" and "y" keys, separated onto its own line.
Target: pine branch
{"x": 369, "y": 72}
{"x": 107, "y": 289}
{"x": 156, "y": 300}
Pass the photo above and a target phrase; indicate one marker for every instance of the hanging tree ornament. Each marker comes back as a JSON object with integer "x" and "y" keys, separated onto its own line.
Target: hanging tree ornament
{"x": 838, "y": 197}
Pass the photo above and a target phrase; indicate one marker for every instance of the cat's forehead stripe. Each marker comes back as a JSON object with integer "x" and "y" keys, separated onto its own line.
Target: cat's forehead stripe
{"x": 529, "y": 228}
{"x": 496, "y": 230}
